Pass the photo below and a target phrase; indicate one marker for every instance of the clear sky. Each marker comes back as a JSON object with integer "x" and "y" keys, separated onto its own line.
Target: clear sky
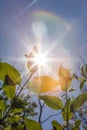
{"x": 59, "y": 23}
{"x": 60, "y": 26}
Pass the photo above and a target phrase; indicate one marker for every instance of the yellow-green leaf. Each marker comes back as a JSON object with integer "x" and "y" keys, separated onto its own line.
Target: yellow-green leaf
{"x": 77, "y": 124}
{"x": 8, "y": 128}
{"x": 42, "y": 84}
{"x": 9, "y": 91}
{"x": 82, "y": 83}
{"x": 2, "y": 105}
{"x": 63, "y": 72}
{"x": 67, "y": 110}
{"x": 17, "y": 110}
{"x": 80, "y": 100}
{"x": 56, "y": 125}
{"x": 83, "y": 72}
{"x": 52, "y": 101}
{"x": 32, "y": 124}
{"x": 65, "y": 78}
{"x": 7, "y": 69}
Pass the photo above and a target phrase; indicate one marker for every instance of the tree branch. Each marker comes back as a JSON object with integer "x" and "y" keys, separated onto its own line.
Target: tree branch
{"x": 23, "y": 86}
{"x": 41, "y": 109}
{"x": 51, "y": 116}
{"x": 67, "y": 110}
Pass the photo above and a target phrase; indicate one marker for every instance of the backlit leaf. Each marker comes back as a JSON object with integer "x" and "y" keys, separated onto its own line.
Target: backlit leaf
{"x": 80, "y": 100}
{"x": 83, "y": 72}
{"x": 67, "y": 110}
{"x": 65, "y": 78}
{"x": 42, "y": 84}
{"x": 2, "y": 105}
{"x": 7, "y": 69}
{"x": 32, "y": 124}
{"x": 56, "y": 125}
{"x": 82, "y": 84}
{"x": 77, "y": 124}
{"x": 52, "y": 101}
{"x": 17, "y": 110}
{"x": 9, "y": 91}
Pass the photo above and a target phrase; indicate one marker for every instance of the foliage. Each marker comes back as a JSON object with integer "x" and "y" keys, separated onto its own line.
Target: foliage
{"x": 16, "y": 110}
{"x": 32, "y": 125}
{"x": 42, "y": 84}
{"x": 56, "y": 125}
{"x": 13, "y": 108}
{"x": 52, "y": 102}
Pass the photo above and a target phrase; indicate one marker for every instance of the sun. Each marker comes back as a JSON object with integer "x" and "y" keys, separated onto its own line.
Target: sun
{"x": 40, "y": 59}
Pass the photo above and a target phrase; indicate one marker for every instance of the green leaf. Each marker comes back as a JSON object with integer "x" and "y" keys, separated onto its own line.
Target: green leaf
{"x": 17, "y": 110}
{"x": 42, "y": 84}
{"x": 2, "y": 105}
{"x": 86, "y": 68}
{"x": 75, "y": 128}
{"x": 9, "y": 81}
{"x": 9, "y": 91}
{"x": 7, "y": 69}
{"x": 56, "y": 125}
{"x": 83, "y": 72}
{"x": 66, "y": 111}
{"x": 82, "y": 84}
{"x": 81, "y": 79}
{"x": 14, "y": 119}
{"x": 19, "y": 103}
{"x": 17, "y": 127}
{"x": 8, "y": 128}
{"x": 32, "y": 124}
{"x": 77, "y": 124}
{"x": 52, "y": 101}
{"x": 80, "y": 100}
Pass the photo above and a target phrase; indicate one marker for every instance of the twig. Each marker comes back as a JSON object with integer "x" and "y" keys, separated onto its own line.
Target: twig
{"x": 67, "y": 110}
{"x": 41, "y": 108}
{"x": 23, "y": 86}
{"x": 51, "y": 116}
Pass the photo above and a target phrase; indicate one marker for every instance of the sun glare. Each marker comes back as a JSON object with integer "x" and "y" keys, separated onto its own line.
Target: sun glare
{"x": 40, "y": 59}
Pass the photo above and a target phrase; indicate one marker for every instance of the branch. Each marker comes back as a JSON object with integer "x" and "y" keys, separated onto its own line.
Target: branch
{"x": 67, "y": 110}
{"x": 23, "y": 86}
{"x": 51, "y": 116}
{"x": 41, "y": 109}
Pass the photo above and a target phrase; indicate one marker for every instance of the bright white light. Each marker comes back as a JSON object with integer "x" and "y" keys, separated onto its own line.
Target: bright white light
{"x": 40, "y": 59}
{"x": 39, "y": 29}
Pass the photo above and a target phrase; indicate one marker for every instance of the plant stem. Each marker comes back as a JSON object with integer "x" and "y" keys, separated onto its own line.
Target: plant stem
{"x": 23, "y": 86}
{"x": 41, "y": 108}
{"x": 50, "y": 117}
{"x": 67, "y": 110}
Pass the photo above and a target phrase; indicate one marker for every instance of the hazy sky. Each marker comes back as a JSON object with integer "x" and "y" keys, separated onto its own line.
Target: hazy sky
{"x": 61, "y": 24}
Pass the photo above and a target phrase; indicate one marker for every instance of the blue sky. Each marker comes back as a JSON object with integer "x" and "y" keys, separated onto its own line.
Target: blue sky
{"x": 16, "y": 32}
{"x": 14, "y": 26}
